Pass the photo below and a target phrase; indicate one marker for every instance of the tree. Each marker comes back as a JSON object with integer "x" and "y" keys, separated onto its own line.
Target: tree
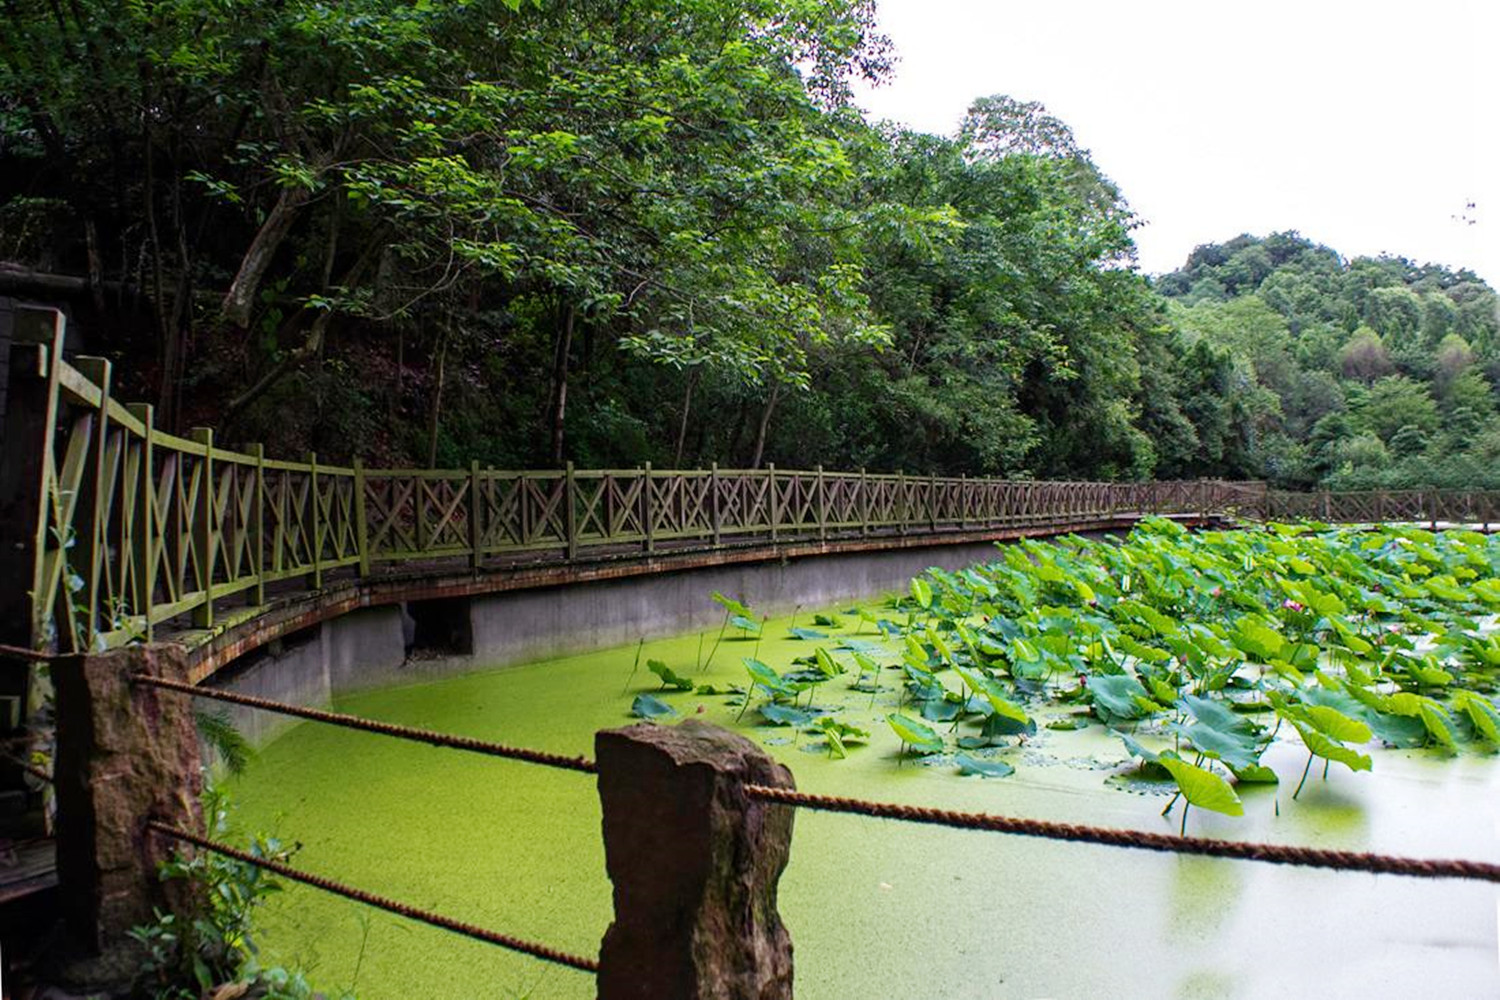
{"x": 1364, "y": 356}
{"x": 1394, "y": 403}
{"x": 1453, "y": 358}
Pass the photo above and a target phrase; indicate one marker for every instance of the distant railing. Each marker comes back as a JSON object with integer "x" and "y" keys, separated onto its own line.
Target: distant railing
{"x": 134, "y": 527}
{"x": 1431, "y": 507}
{"x": 121, "y": 527}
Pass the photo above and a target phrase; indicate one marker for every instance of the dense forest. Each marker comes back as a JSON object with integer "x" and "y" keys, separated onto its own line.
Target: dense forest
{"x": 619, "y": 231}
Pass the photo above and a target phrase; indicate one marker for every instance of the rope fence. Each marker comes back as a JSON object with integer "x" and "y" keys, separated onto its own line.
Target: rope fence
{"x": 430, "y": 737}
{"x": 660, "y": 764}
{"x": 1308, "y": 857}
{"x": 1277, "y": 854}
{"x": 468, "y": 930}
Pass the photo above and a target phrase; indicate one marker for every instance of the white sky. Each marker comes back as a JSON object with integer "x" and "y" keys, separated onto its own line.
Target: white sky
{"x": 1365, "y": 126}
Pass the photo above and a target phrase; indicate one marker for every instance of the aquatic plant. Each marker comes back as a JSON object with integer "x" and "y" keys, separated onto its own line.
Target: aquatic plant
{"x": 1198, "y": 648}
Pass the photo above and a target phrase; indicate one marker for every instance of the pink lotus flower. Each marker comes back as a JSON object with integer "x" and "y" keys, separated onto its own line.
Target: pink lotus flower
{"x": 1292, "y": 605}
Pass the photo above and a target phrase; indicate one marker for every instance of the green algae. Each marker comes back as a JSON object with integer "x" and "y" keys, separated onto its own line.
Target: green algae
{"x": 876, "y": 909}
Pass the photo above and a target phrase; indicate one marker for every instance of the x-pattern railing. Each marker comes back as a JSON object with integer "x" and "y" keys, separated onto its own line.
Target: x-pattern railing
{"x": 136, "y": 527}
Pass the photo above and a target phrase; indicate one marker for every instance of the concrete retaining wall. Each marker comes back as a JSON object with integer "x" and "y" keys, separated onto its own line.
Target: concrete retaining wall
{"x": 378, "y": 646}
{"x": 361, "y": 649}
{"x": 523, "y": 626}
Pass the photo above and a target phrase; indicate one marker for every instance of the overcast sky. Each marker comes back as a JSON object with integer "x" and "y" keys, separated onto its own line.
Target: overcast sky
{"x": 1366, "y": 126}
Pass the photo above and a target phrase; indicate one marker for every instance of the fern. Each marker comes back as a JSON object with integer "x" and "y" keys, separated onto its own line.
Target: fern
{"x": 227, "y": 742}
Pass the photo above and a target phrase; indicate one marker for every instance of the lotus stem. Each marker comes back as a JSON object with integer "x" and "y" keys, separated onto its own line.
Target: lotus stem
{"x": 1305, "y": 769}
{"x": 635, "y": 666}
{"x": 722, "y": 629}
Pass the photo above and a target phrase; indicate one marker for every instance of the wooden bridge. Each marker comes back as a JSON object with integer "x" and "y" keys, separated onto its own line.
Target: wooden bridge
{"x": 116, "y": 531}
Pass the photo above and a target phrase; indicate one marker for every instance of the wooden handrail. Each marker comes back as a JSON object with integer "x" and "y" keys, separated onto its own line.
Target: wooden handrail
{"x": 172, "y": 526}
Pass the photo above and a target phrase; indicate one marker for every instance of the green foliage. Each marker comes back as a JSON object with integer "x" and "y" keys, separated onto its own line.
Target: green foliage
{"x": 917, "y": 736}
{"x": 191, "y": 954}
{"x": 226, "y": 742}
{"x": 1345, "y": 355}
{"x": 1202, "y": 787}
{"x": 669, "y": 678}
{"x": 434, "y": 229}
{"x": 1199, "y": 649}
{"x": 651, "y": 708}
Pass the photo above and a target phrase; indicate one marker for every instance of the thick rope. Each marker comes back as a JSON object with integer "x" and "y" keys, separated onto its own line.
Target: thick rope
{"x": 22, "y": 653}
{"x": 540, "y": 951}
{"x": 581, "y": 764}
{"x": 1311, "y": 857}
{"x": 1277, "y": 854}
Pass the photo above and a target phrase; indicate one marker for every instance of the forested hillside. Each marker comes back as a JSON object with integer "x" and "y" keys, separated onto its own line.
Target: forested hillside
{"x": 1369, "y": 372}
{"x": 628, "y": 231}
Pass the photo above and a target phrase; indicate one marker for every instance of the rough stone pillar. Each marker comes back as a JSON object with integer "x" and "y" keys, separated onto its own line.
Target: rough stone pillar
{"x": 694, "y": 864}
{"x": 126, "y": 754}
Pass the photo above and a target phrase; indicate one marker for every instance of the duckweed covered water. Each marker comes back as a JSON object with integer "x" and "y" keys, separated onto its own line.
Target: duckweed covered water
{"x": 875, "y": 909}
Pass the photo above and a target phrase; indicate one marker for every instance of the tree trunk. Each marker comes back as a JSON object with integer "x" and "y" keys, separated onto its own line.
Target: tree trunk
{"x": 559, "y": 397}
{"x": 96, "y": 264}
{"x": 257, "y": 259}
{"x": 765, "y": 424}
{"x": 682, "y": 426}
{"x": 433, "y": 421}
{"x": 311, "y": 347}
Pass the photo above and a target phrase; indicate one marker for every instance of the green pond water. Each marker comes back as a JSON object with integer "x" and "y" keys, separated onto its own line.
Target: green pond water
{"x": 875, "y": 909}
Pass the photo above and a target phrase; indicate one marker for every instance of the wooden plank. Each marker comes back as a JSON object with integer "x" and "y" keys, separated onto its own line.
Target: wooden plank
{"x": 94, "y": 503}
{"x": 476, "y": 519}
{"x": 713, "y": 498}
{"x": 570, "y": 502}
{"x": 205, "y": 533}
{"x": 315, "y": 534}
{"x": 361, "y": 521}
{"x": 648, "y": 513}
{"x": 775, "y": 497}
{"x": 144, "y": 549}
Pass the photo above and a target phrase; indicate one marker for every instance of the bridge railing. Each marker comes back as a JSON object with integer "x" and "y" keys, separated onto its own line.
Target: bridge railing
{"x": 1432, "y": 507}
{"x": 124, "y": 527}
{"x": 118, "y": 527}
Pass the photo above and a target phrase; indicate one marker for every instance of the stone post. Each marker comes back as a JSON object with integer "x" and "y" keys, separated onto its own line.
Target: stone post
{"x": 694, "y": 863}
{"x": 126, "y": 754}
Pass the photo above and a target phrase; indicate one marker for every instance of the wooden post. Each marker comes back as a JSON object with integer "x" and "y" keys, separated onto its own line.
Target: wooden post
{"x": 570, "y": 500}
{"x": 205, "y": 533}
{"x": 147, "y": 542}
{"x": 864, "y": 503}
{"x": 648, "y": 513}
{"x": 90, "y": 511}
{"x": 775, "y": 502}
{"x": 315, "y": 538}
{"x": 932, "y": 502}
{"x": 705, "y": 925}
{"x": 26, "y": 471}
{"x": 901, "y": 508}
{"x": 258, "y": 525}
{"x": 476, "y": 519}
{"x": 126, "y": 754}
{"x": 361, "y": 524}
{"x": 713, "y": 499}
{"x": 822, "y": 505}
